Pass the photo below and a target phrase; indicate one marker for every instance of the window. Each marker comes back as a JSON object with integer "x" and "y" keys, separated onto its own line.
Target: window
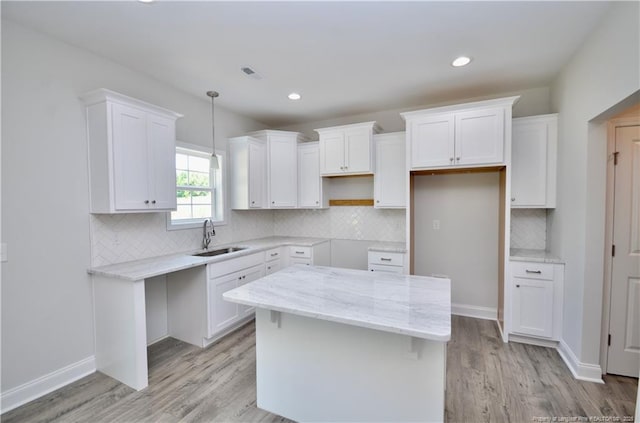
{"x": 199, "y": 189}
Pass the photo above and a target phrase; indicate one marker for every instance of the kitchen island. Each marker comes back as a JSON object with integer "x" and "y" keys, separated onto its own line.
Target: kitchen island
{"x": 349, "y": 345}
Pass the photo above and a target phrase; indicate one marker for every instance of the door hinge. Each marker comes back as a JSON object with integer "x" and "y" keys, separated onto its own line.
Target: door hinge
{"x": 613, "y": 250}
{"x": 615, "y": 158}
{"x": 609, "y": 340}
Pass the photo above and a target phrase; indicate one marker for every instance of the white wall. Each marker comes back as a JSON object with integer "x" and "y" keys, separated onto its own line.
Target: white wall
{"x": 47, "y": 316}
{"x": 465, "y": 247}
{"x": 602, "y": 74}
{"x": 533, "y": 101}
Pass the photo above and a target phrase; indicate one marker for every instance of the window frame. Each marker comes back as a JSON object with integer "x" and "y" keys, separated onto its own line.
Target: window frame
{"x": 198, "y": 222}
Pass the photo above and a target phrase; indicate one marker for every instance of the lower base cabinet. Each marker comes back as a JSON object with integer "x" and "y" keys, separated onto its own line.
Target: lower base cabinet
{"x": 386, "y": 262}
{"x": 536, "y": 299}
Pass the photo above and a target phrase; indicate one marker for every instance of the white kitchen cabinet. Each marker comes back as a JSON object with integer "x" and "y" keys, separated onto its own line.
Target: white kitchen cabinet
{"x": 247, "y": 182}
{"x": 131, "y": 154}
{"x": 390, "y": 178}
{"x": 347, "y": 149}
{"x": 316, "y": 255}
{"x": 282, "y": 167}
{"x": 465, "y": 135}
{"x": 387, "y": 262}
{"x": 273, "y": 260}
{"x": 536, "y": 299}
{"x": 533, "y": 162}
{"x": 311, "y": 186}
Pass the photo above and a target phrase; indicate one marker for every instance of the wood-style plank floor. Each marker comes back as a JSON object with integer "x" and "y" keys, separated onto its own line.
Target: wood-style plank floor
{"x": 487, "y": 381}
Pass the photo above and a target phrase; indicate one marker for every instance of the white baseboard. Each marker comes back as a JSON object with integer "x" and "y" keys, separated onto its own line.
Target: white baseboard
{"x": 532, "y": 340}
{"x": 487, "y": 313}
{"x": 36, "y": 388}
{"x": 581, "y": 371}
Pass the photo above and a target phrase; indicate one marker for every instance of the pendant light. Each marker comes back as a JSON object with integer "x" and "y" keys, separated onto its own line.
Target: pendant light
{"x": 214, "y": 158}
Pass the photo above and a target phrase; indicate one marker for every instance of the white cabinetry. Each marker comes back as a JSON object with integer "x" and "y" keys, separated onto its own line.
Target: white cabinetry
{"x": 390, "y": 179}
{"x": 131, "y": 154}
{"x": 311, "y": 186}
{"x": 316, "y": 255}
{"x": 465, "y": 135}
{"x": 386, "y": 262}
{"x": 347, "y": 150}
{"x": 536, "y": 299}
{"x": 282, "y": 167}
{"x": 533, "y": 162}
{"x": 223, "y": 277}
{"x": 273, "y": 260}
{"x": 247, "y": 173}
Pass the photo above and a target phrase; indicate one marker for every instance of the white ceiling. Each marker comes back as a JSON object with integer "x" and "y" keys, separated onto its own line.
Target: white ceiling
{"x": 344, "y": 58}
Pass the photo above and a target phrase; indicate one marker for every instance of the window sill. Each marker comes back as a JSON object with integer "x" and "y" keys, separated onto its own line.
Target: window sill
{"x": 175, "y": 226}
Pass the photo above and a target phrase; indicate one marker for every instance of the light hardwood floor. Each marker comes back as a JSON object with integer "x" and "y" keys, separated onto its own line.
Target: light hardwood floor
{"x": 486, "y": 381}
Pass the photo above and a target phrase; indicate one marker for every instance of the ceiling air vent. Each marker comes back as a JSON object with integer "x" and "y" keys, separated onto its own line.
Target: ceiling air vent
{"x": 250, "y": 72}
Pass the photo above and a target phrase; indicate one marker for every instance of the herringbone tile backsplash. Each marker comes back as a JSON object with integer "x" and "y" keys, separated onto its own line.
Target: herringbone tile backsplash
{"x": 529, "y": 228}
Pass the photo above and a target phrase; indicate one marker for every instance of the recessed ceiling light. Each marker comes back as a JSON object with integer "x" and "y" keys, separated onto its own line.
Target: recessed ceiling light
{"x": 461, "y": 61}
{"x": 294, "y": 96}
{"x": 146, "y": 1}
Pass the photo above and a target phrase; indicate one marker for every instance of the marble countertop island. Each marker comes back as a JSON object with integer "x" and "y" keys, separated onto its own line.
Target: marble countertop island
{"x": 417, "y": 306}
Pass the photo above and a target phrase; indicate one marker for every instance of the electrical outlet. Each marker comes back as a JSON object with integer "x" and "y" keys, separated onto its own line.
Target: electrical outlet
{"x": 3, "y": 252}
{"x": 436, "y": 225}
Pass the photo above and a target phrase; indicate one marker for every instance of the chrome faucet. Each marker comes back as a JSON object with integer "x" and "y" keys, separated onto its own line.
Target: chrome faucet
{"x": 208, "y": 231}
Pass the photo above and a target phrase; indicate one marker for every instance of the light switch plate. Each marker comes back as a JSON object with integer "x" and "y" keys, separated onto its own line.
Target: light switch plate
{"x": 3, "y": 252}
{"x": 436, "y": 224}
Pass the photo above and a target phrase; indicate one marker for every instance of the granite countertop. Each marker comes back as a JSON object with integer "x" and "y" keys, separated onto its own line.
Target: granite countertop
{"x": 417, "y": 306}
{"x": 389, "y": 247}
{"x": 537, "y": 256}
{"x": 154, "y": 266}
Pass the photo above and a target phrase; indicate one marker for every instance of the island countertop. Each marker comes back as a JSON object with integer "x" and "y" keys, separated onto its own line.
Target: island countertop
{"x": 417, "y": 306}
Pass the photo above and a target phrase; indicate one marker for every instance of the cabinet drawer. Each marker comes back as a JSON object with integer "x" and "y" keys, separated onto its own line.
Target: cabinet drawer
{"x": 532, "y": 270}
{"x": 300, "y": 252}
{"x": 387, "y": 259}
{"x": 273, "y": 254}
{"x": 273, "y": 266}
{"x": 386, "y": 269}
{"x": 300, "y": 260}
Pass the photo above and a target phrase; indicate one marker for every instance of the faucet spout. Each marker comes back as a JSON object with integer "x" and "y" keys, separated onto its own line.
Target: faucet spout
{"x": 208, "y": 231}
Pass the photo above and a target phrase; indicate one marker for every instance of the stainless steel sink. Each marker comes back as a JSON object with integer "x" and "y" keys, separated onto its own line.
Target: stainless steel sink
{"x": 220, "y": 251}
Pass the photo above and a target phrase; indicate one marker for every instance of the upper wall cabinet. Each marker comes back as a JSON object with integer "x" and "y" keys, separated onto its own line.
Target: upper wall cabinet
{"x": 347, "y": 150}
{"x": 248, "y": 173}
{"x": 131, "y": 154}
{"x": 533, "y": 162}
{"x": 465, "y": 135}
{"x": 311, "y": 186}
{"x": 390, "y": 179}
{"x": 282, "y": 167}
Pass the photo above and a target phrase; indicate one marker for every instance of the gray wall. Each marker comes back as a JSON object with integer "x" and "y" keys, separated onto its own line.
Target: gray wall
{"x": 601, "y": 75}
{"x": 47, "y": 316}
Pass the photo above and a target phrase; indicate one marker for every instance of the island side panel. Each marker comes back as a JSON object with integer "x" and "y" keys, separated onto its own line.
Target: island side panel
{"x": 315, "y": 370}
{"x": 121, "y": 330}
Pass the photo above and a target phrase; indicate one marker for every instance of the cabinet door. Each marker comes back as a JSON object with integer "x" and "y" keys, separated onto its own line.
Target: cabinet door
{"x": 532, "y": 311}
{"x": 162, "y": 162}
{"x": 257, "y": 175}
{"x": 357, "y": 151}
{"x": 529, "y": 164}
{"x": 390, "y": 180}
{"x": 249, "y": 275}
{"x": 283, "y": 171}
{"x": 222, "y": 313}
{"x": 479, "y": 137}
{"x": 130, "y": 158}
{"x": 432, "y": 141}
{"x": 273, "y": 266}
{"x": 309, "y": 179}
{"x": 332, "y": 153}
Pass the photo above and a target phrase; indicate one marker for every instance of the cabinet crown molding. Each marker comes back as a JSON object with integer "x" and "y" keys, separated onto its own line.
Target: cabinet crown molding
{"x": 102, "y": 94}
{"x": 264, "y": 133}
{"x": 535, "y": 118}
{"x": 373, "y": 125}
{"x": 497, "y": 102}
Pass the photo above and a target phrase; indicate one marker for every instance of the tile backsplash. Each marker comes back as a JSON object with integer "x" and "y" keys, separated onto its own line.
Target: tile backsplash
{"x": 529, "y": 228}
{"x": 356, "y": 223}
{"x": 125, "y": 237}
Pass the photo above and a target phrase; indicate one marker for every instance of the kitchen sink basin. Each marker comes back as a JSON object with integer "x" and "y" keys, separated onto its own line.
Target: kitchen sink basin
{"x": 220, "y": 251}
